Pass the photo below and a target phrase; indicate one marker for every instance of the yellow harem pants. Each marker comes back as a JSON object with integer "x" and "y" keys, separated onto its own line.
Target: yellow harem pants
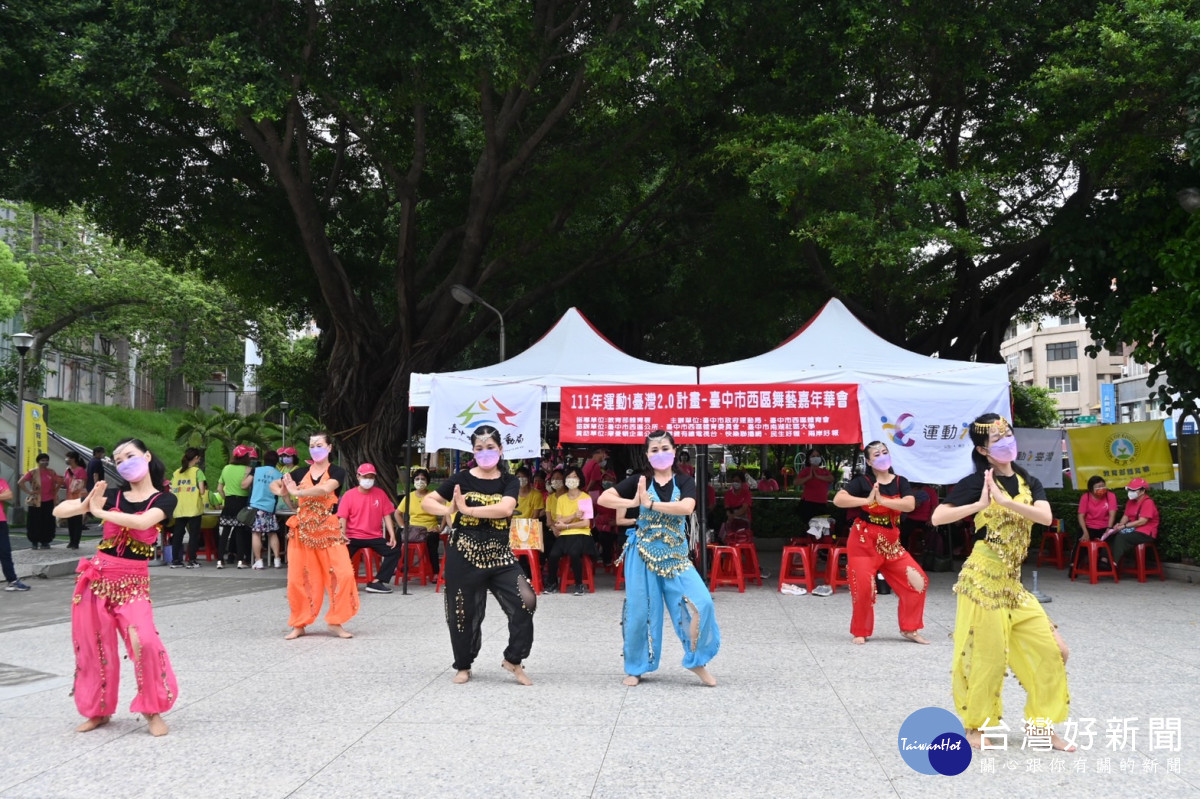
{"x": 987, "y": 643}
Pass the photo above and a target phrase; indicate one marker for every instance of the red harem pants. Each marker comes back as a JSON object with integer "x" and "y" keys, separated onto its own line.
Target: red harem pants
{"x": 112, "y": 595}
{"x": 314, "y": 572}
{"x": 873, "y": 549}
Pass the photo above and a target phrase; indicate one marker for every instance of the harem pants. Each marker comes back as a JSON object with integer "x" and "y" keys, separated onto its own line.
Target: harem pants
{"x": 467, "y": 587}
{"x": 686, "y": 599}
{"x": 314, "y": 572}
{"x": 112, "y": 596}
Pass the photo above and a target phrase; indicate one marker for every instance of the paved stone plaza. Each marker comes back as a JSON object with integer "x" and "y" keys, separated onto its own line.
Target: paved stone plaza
{"x": 799, "y": 712}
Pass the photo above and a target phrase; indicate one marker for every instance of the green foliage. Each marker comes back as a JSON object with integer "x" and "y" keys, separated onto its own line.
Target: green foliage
{"x": 1178, "y": 531}
{"x": 1034, "y": 406}
{"x": 14, "y": 282}
{"x": 82, "y": 285}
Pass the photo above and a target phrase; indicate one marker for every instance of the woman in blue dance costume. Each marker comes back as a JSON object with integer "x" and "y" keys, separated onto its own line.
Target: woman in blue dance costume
{"x": 657, "y": 570}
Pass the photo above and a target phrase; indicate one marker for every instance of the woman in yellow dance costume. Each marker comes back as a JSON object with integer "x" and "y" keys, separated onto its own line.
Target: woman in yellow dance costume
{"x": 999, "y": 625}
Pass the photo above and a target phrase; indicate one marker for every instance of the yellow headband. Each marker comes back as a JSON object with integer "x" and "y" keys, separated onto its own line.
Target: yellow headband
{"x": 999, "y": 426}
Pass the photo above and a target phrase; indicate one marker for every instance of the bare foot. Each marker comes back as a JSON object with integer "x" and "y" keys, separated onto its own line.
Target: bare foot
{"x": 914, "y": 636}
{"x": 340, "y": 631}
{"x": 518, "y": 671}
{"x": 704, "y": 676}
{"x": 461, "y": 676}
{"x": 631, "y": 680}
{"x": 158, "y": 727}
{"x": 860, "y": 640}
{"x": 93, "y": 723}
{"x": 974, "y": 738}
{"x": 1059, "y": 744}
{"x": 294, "y": 634}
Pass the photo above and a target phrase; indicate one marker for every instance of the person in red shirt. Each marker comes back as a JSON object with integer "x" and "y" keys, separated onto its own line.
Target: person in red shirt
{"x": 1138, "y": 525}
{"x": 365, "y": 514}
{"x": 813, "y": 481}
{"x": 738, "y": 501}
{"x": 593, "y": 472}
{"x": 767, "y": 483}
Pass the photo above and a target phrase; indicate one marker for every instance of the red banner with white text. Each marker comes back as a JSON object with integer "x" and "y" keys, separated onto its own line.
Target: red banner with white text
{"x": 784, "y": 413}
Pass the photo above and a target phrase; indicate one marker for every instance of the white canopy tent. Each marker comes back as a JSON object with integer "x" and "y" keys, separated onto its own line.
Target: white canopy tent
{"x": 920, "y": 406}
{"x": 572, "y": 353}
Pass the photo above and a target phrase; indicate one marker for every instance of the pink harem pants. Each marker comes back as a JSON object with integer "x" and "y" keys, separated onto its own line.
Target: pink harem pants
{"x": 112, "y": 595}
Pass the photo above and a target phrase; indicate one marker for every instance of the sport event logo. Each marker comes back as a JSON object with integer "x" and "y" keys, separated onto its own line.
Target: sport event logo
{"x": 478, "y": 413}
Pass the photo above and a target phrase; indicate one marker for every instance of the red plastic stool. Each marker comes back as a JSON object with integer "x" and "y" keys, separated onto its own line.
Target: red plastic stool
{"x": 566, "y": 576}
{"x": 367, "y": 562}
{"x": 441, "y": 578}
{"x": 726, "y": 568}
{"x": 620, "y": 577}
{"x": 1092, "y": 550}
{"x": 1056, "y": 539}
{"x": 419, "y": 566}
{"x": 208, "y": 546}
{"x": 838, "y": 575}
{"x": 534, "y": 558}
{"x": 792, "y": 572}
{"x": 1140, "y": 569}
{"x": 749, "y": 556}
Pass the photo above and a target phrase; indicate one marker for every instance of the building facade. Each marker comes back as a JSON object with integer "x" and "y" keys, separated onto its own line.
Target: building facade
{"x": 1052, "y": 353}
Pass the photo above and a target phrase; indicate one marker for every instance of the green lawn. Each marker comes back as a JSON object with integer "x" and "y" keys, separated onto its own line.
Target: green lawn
{"x": 104, "y": 426}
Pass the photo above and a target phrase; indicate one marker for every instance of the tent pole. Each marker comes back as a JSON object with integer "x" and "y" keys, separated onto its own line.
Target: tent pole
{"x": 407, "y": 509}
{"x": 702, "y": 505}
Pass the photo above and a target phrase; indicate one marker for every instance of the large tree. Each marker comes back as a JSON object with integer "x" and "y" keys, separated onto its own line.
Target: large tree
{"x": 351, "y": 160}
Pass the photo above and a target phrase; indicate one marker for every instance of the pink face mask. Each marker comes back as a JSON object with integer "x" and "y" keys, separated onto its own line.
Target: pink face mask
{"x": 133, "y": 469}
{"x": 487, "y": 458}
{"x": 1004, "y": 450}
{"x": 662, "y": 460}
{"x": 318, "y": 453}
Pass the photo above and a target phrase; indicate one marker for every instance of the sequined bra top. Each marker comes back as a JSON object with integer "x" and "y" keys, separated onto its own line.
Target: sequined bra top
{"x": 140, "y": 543}
{"x": 661, "y": 539}
{"x": 1008, "y": 532}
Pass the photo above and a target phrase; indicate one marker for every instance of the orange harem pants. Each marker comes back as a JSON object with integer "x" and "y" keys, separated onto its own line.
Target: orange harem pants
{"x": 112, "y": 595}
{"x": 873, "y": 549}
{"x": 312, "y": 573}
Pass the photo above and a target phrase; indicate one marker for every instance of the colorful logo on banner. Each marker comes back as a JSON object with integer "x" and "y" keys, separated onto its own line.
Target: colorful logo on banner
{"x": 932, "y": 741}
{"x": 458, "y": 408}
{"x": 898, "y": 433}
{"x": 479, "y": 413}
{"x": 1119, "y": 453}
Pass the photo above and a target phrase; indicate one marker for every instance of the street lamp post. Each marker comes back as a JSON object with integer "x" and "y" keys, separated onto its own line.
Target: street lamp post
{"x": 466, "y": 297}
{"x": 283, "y": 406}
{"x": 23, "y": 342}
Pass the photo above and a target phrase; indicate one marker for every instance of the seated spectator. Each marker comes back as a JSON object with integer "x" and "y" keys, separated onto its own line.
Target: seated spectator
{"x": 916, "y": 526}
{"x": 573, "y": 531}
{"x": 606, "y": 521}
{"x": 1097, "y": 509}
{"x": 531, "y": 504}
{"x": 738, "y": 501}
{"x": 1138, "y": 525}
{"x": 365, "y": 515}
{"x": 422, "y": 526}
{"x": 767, "y": 483}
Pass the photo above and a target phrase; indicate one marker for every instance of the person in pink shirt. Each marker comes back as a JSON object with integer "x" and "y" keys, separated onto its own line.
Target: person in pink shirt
{"x": 1138, "y": 525}
{"x": 1097, "y": 509}
{"x": 593, "y": 472}
{"x": 767, "y": 482}
{"x": 41, "y": 487}
{"x": 365, "y": 515}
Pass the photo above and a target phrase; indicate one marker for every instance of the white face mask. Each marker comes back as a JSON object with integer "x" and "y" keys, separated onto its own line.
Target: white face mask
{"x": 815, "y": 460}
{"x": 420, "y": 484}
{"x": 523, "y": 481}
{"x": 367, "y": 482}
{"x": 1133, "y": 493}
{"x": 556, "y": 484}
{"x": 572, "y": 482}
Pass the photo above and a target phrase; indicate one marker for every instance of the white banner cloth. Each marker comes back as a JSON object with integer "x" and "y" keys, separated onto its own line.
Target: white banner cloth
{"x": 926, "y": 430}
{"x": 458, "y": 407}
{"x": 1041, "y": 453}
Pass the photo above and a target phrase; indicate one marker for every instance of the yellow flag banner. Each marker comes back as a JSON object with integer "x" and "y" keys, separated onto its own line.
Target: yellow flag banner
{"x": 36, "y": 437}
{"x": 1121, "y": 452}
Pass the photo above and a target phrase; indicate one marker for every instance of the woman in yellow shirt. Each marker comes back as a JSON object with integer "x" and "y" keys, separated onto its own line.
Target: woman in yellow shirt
{"x": 422, "y": 526}
{"x": 574, "y": 530}
{"x": 530, "y": 502}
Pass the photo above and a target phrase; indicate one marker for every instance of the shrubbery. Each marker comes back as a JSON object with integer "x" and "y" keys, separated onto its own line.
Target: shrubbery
{"x": 1179, "y": 512}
